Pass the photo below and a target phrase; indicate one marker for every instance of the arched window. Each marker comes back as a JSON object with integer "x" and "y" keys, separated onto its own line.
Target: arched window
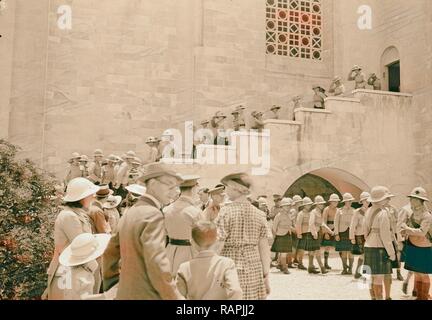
{"x": 293, "y": 28}
{"x": 390, "y": 67}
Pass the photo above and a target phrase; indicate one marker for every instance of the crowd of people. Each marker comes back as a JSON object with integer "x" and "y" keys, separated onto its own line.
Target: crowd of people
{"x": 168, "y": 237}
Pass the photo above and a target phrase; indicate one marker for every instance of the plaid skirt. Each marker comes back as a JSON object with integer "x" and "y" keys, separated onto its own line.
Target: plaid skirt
{"x": 377, "y": 260}
{"x": 282, "y": 244}
{"x": 417, "y": 259}
{"x": 344, "y": 244}
{"x": 358, "y": 248}
{"x": 328, "y": 243}
{"x": 308, "y": 243}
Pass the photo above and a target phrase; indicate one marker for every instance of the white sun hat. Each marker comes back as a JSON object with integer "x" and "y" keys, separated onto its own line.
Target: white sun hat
{"x": 78, "y": 189}
{"x": 136, "y": 189}
{"x": 84, "y": 248}
{"x": 112, "y": 202}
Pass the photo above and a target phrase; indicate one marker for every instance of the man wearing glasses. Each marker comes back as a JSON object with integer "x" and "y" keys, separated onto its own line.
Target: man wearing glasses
{"x": 140, "y": 242}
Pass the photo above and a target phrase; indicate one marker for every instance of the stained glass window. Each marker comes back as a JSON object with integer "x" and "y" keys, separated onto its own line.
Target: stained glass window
{"x": 293, "y": 28}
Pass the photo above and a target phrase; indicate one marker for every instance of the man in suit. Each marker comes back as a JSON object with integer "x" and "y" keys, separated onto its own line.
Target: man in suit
{"x": 140, "y": 242}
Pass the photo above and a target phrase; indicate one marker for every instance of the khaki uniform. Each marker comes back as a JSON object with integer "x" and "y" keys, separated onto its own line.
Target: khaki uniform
{"x": 95, "y": 172}
{"x": 109, "y": 174}
{"x": 74, "y": 172}
{"x": 209, "y": 277}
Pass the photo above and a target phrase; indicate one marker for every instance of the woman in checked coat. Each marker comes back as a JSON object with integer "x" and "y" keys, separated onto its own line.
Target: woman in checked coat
{"x": 244, "y": 238}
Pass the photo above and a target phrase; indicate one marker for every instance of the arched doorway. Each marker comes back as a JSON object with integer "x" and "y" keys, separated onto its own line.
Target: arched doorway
{"x": 390, "y": 68}
{"x": 326, "y": 181}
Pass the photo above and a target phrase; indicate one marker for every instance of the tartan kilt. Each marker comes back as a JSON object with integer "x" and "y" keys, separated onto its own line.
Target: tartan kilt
{"x": 308, "y": 243}
{"x": 377, "y": 260}
{"x": 328, "y": 243}
{"x": 344, "y": 244}
{"x": 360, "y": 241}
{"x": 282, "y": 244}
{"x": 417, "y": 259}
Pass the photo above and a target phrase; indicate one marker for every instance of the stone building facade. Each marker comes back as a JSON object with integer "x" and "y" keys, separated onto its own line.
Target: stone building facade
{"x": 131, "y": 68}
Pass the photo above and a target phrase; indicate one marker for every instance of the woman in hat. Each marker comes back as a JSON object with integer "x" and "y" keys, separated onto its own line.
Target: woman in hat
{"x": 135, "y": 191}
{"x": 305, "y": 242}
{"x": 329, "y": 215}
{"x": 180, "y": 217}
{"x": 356, "y": 231}
{"x": 70, "y": 222}
{"x": 318, "y": 98}
{"x": 80, "y": 267}
{"x": 110, "y": 210}
{"x": 417, "y": 228}
{"x": 257, "y": 121}
{"x": 282, "y": 229}
{"x": 342, "y": 223}
{"x": 336, "y": 87}
{"x": 74, "y": 169}
{"x": 379, "y": 251}
{"x": 244, "y": 237}
{"x": 358, "y": 76}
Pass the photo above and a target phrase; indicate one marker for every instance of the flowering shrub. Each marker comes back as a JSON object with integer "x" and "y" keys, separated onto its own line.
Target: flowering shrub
{"x": 27, "y": 212}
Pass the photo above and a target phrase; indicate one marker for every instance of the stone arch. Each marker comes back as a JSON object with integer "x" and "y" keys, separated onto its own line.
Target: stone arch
{"x": 390, "y": 55}
{"x": 328, "y": 180}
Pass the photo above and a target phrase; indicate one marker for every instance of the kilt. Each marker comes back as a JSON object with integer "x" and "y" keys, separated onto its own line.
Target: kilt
{"x": 344, "y": 244}
{"x": 328, "y": 243}
{"x": 377, "y": 260}
{"x": 358, "y": 248}
{"x": 282, "y": 244}
{"x": 417, "y": 259}
{"x": 308, "y": 243}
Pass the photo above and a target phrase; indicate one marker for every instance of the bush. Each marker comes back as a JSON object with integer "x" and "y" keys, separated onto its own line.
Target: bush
{"x": 28, "y": 208}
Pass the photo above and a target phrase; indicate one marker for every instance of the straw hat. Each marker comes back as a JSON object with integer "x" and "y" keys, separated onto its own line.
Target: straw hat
{"x": 334, "y": 198}
{"x": 319, "y": 200}
{"x": 364, "y": 196}
{"x": 379, "y": 193}
{"x": 112, "y": 202}
{"x": 297, "y": 199}
{"x": 136, "y": 189}
{"x": 155, "y": 170}
{"x": 78, "y": 189}
{"x": 347, "y": 197}
{"x": 286, "y": 202}
{"x": 419, "y": 193}
{"x": 84, "y": 248}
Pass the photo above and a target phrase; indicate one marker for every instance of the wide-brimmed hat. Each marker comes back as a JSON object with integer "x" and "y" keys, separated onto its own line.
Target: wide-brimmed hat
{"x": 419, "y": 193}
{"x": 136, "y": 189}
{"x": 152, "y": 140}
{"x": 306, "y": 201}
{"x": 84, "y": 248}
{"x": 319, "y": 200}
{"x": 334, "y": 198}
{"x": 364, "y": 196}
{"x": 130, "y": 155}
{"x": 137, "y": 161}
{"x": 242, "y": 179}
{"x": 317, "y": 87}
{"x": 379, "y": 193}
{"x": 286, "y": 202}
{"x": 75, "y": 155}
{"x": 205, "y": 122}
{"x": 256, "y": 113}
{"x": 275, "y": 107}
{"x": 203, "y": 190}
{"x": 112, "y": 158}
{"x": 219, "y": 114}
{"x": 219, "y": 188}
{"x": 347, "y": 197}
{"x": 104, "y": 191}
{"x": 277, "y": 197}
{"x": 156, "y": 170}
{"x": 297, "y": 199}
{"x": 356, "y": 67}
{"x": 78, "y": 189}
{"x": 112, "y": 202}
{"x": 98, "y": 153}
{"x": 84, "y": 158}
{"x": 189, "y": 180}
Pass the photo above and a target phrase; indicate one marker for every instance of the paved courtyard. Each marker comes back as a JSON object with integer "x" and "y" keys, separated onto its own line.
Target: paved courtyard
{"x": 333, "y": 286}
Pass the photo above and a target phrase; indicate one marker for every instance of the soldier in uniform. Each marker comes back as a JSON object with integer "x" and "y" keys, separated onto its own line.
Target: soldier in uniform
{"x": 374, "y": 81}
{"x": 203, "y": 194}
{"x": 109, "y": 172}
{"x": 336, "y": 87}
{"x": 257, "y": 121}
{"x": 84, "y": 166}
{"x": 122, "y": 174}
{"x": 217, "y": 124}
{"x": 153, "y": 155}
{"x": 329, "y": 215}
{"x": 95, "y": 168}
{"x": 303, "y": 235}
{"x": 277, "y": 198}
{"x": 297, "y": 104}
{"x": 180, "y": 217}
{"x": 297, "y": 202}
{"x": 239, "y": 121}
{"x": 134, "y": 173}
{"x": 74, "y": 169}
{"x": 167, "y": 147}
{"x": 358, "y": 76}
{"x": 342, "y": 223}
{"x": 319, "y": 97}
